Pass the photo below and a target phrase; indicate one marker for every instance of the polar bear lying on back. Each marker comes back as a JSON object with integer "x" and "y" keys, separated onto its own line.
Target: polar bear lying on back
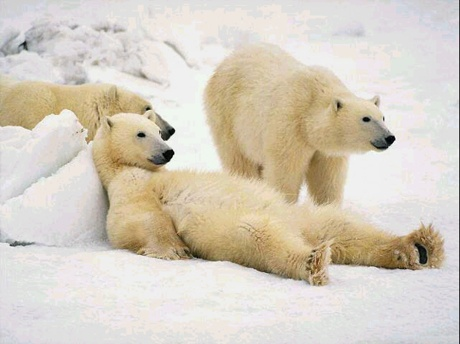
{"x": 276, "y": 118}
{"x": 25, "y": 103}
{"x": 215, "y": 216}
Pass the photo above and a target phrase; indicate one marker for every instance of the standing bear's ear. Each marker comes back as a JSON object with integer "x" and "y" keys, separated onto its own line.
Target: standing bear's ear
{"x": 112, "y": 93}
{"x": 376, "y": 100}
{"x": 151, "y": 115}
{"x": 337, "y": 104}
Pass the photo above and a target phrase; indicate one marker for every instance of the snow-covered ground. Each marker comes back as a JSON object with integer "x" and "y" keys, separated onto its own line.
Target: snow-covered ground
{"x": 73, "y": 288}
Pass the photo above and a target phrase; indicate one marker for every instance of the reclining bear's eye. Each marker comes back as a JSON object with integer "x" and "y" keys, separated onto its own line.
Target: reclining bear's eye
{"x": 366, "y": 119}
{"x": 147, "y": 108}
{"x": 383, "y": 118}
{"x": 140, "y": 134}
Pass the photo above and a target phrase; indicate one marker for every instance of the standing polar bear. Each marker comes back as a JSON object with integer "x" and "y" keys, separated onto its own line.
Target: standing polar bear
{"x": 216, "y": 216}
{"x": 25, "y": 103}
{"x": 273, "y": 117}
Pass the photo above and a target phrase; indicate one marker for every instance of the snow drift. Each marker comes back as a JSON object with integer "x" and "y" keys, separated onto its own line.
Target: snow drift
{"x": 50, "y": 190}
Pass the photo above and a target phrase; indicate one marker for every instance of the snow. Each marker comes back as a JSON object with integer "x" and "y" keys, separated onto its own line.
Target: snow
{"x": 71, "y": 287}
{"x": 50, "y": 145}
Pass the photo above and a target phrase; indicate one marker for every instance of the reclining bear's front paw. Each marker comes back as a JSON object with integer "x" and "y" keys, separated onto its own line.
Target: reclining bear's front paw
{"x": 166, "y": 252}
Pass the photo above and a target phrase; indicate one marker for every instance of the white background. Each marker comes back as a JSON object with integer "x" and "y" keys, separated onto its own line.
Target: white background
{"x": 73, "y": 288}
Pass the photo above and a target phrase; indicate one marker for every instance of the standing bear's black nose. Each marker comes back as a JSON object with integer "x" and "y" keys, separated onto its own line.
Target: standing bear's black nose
{"x": 168, "y": 154}
{"x": 390, "y": 139}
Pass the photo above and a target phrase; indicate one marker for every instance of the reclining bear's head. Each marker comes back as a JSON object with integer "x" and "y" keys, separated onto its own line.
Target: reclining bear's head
{"x": 135, "y": 140}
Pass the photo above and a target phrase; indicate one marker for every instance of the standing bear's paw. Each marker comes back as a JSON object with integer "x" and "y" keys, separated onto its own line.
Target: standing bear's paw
{"x": 317, "y": 264}
{"x": 423, "y": 248}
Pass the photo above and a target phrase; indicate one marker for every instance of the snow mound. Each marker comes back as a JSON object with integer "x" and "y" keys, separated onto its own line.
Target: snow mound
{"x": 50, "y": 191}
{"x": 29, "y": 155}
{"x": 11, "y": 41}
{"x": 68, "y": 49}
{"x": 30, "y": 66}
{"x": 351, "y": 29}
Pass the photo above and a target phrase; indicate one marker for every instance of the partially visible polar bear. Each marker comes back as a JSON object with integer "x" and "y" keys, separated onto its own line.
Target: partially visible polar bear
{"x": 216, "y": 216}
{"x": 273, "y": 117}
{"x": 25, "y": 103}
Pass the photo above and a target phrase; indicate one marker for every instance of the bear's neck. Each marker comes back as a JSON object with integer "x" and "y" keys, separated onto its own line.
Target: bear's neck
{"x": 106, "y": 167}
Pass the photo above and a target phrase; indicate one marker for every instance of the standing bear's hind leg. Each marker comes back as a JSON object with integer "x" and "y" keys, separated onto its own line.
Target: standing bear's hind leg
{"x": 325, "y": 177}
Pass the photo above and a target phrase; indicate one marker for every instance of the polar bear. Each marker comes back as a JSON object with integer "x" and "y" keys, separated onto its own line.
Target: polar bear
{"x": 25, "y": 103}
{"x": 273, "y": 117}
{"x": 217, "y": 216}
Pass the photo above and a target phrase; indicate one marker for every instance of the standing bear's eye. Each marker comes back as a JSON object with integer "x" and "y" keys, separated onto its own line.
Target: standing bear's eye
{"x": 147, "y": 108}
{"x": 366, "y": 119}
{"x": 140, "y": 134}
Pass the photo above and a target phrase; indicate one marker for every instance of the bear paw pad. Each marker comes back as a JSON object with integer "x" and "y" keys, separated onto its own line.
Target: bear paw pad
{"x": 424, "y": 248}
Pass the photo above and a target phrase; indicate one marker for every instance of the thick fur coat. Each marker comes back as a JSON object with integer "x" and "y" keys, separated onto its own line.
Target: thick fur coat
{"x": 216, "y": 216}
{"x": 276, "y": 118}
{"x": 25, "y": 103}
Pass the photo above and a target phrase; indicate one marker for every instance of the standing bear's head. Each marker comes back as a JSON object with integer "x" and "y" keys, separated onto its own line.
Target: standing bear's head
{"x": 134, "y": 140}
{"x": 118, "y": 100}
{"x": 351, "y": 125}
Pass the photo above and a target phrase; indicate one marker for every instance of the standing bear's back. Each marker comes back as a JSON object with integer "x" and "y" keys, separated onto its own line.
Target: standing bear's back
{"x": 273, "y": 117}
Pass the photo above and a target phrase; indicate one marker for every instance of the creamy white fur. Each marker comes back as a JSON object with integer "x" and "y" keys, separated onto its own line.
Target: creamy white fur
{"x": 26, "y": 103}
{"x": 223, "y": 217}
{"x": 273, "y": 117}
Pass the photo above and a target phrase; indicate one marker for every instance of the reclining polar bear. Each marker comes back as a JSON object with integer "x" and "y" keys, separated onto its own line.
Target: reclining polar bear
{"x": 215, "y": 216}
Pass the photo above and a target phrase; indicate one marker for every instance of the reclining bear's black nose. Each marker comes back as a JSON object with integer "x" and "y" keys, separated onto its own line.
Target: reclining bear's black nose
{"x": 168, "y": 154}
{"x": 171, "y": 131}
{"x": 390, "y": 139}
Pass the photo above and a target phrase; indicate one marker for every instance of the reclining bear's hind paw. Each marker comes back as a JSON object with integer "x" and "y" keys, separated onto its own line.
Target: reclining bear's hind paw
{"x": 421, "y": 249}
{"x": 427, "y": 248}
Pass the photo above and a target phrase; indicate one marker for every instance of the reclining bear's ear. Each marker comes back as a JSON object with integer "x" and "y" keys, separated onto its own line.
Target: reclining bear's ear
{"x": 337, "y": 104}
{"x": 376, "y": 100}
{"x": 107, "y": 123}
{"x": 151, "y": 115}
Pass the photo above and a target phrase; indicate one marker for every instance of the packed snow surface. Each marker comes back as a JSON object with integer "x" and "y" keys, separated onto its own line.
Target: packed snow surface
{"x": 70, "y": 286}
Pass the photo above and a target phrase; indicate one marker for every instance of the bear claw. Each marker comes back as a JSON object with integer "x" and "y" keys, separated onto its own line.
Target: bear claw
{"x": 166, "y": 254}
{"x": 317, "y": 264}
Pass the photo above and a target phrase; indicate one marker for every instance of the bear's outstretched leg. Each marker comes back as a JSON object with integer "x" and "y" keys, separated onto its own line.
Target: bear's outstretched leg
{"x": 254, "y": 240}
{"x": 326, "y": 176}
{"x": 359, "y": 243}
